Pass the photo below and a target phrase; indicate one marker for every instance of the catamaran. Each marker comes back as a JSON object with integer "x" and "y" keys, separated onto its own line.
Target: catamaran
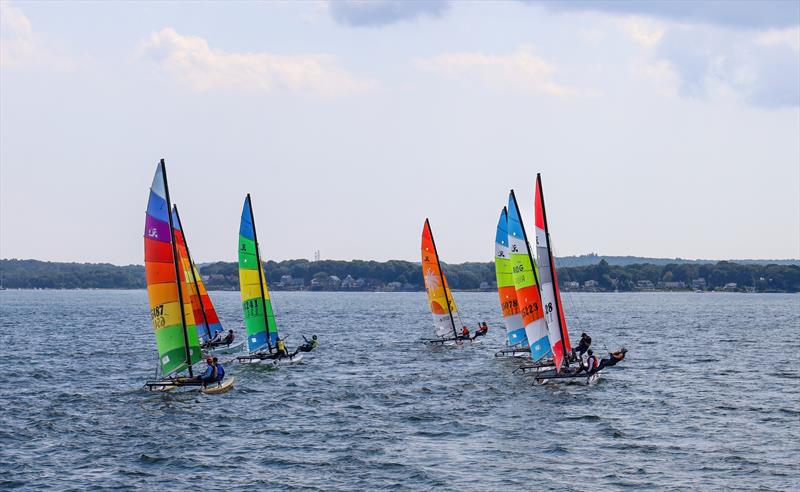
{"x": 259, "y": 319}
{"x": 208, "y": 324}
{"x": 167, "y": 271}
{"x": 447, "y": 324}
{"x": 516, "y": 341}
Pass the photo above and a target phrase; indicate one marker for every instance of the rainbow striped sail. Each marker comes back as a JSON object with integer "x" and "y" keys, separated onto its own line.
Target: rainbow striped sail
{"x": 548, "y": 280}
{"x": 258, "y": 316}
{"x": 167, "y": 286}
{"x": 446, "y": 321}
{"x": 515, "y": 329}
{"x": 205, "y": 315}
{"x": 526, "y": 283}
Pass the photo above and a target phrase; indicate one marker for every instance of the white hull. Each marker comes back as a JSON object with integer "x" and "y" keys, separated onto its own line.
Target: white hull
{"x": 225, "y": 349}
{"x": 282, "y": 361}
{"x": 587, "y": 380}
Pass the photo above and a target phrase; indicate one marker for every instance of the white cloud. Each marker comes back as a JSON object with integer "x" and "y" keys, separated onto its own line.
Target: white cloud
{"x": 191, "y": 60}
{"x": 645, "y": 31}
{"x": 775, "y": 37}
{"x": 21, "y": 47}
{"x": 520, "y": 70}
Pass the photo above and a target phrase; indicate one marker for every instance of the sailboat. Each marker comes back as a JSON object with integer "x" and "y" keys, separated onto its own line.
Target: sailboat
{"x": 446, "y": 321}
{"x": 259, "y": 319}
{"x": 208, "y": 324}
{"x": 516, "y": 341}
{"x": 166, "y": 269}
{"x": 551, "y": 299}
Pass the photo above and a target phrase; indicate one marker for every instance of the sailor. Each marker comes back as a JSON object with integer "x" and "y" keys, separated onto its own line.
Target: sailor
{"x": 613, "y": 358}
{"x": 464, "y": 334}
{"x": 211, "y": 373}
{"x": 308, "y": 346}
{"x": 228, "y": 338}
{"x": 216, "y": 338}
{"x": 220, "y": 370}
{"x": 282, "y": 352}
{"x": 583, "y": 346}
{"x": 589, "y": 366}
{"x": 483, "y": 329}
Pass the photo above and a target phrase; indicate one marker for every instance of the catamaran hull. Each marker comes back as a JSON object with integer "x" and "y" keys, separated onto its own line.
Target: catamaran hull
{"x": 513, "y": 354}
{"x": 223, "y": 387}
{"x": 226, "y": 349}
{"x": 563, "y": 379}
{"x": 282, "y": 361}
{"x": 449, "y": 342}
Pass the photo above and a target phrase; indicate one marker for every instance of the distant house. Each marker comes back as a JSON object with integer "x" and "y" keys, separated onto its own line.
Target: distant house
{"x": 645, "y": 285}
{"x": 570, "y": 285}
{"x": 392, "y": 286}
{"x": 590, "y": 284}
{"x": 730, "y": 286}
{"x": 699, "y": 283}
{"x": 348, "y": 283}
{"x": 672, "y": 285}
{"x": 335, "y": 281}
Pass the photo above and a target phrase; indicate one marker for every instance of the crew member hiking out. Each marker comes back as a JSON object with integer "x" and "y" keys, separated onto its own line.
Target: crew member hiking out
{"x": 308, "y": 346}
{"x": 483, "y": 329}
{"x": 612, "y": 359}
{"x": 464, "y": 334}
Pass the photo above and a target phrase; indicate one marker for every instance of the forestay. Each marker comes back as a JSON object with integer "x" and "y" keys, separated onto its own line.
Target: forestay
{"x": 167, "y": 287}
{"x": 205, "y": 315}
{"x": 515, "y": 329}
{"x": 446, "y": 321}
{"x": 256, "y": 305}
{"x": 548, "y": 281}
{"x": 525, "y": 283}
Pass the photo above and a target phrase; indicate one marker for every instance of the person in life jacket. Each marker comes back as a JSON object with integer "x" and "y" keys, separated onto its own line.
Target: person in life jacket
{"x": 210, "y": 375}
{"x": 281, "y": 348}
{"x": 483, "y": 329}
{"x": 590, "y": 365}
{"x": 612, "y": 359}
{"x": 216, "y": 338}
{"x": 464, "y": 333}
{"x": 220, "y": 370}
{"x": 308, "y": 346}
{"x": 583, "y": 346}
{"x": 229, "y": 338}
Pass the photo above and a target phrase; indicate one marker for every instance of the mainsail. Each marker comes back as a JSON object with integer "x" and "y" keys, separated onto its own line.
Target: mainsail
{"x": 167, "y": 287}
{"x": 548, "y": 281}
{"x": 205, "y": 315}
{"x": 258, "y": 316}
{"x": 526, "y": 283}
{"x": 515, "y": 329}
{"x": 446, "y": 321}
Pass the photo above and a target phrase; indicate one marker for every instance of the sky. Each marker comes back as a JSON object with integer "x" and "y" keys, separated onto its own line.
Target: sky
{"x": 662, "y": 129}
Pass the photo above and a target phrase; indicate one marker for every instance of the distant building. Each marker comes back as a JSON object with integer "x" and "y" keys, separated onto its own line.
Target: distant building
{"x": 392, "y": 286}
{"x": 672, "y": 285}
{"x": 570, "y": 285}
{"x": 590, "y": 284}
{"x": 699, "y": 283}
{"x": 348, "y": 283}
{"x": 335, "y": 281}
{"x": 730, "y": 286}
{"x": 645, "y": 285}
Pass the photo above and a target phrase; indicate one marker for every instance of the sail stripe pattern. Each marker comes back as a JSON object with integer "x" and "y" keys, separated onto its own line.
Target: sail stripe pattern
{"x": 551, "y": 298}
{"x": 205, "y": 315}
{"x": 439, "y": 295}
{"x": 162, "y": 286}
{"x": 515, "y": 329}
{"x": 259, "y": 318}
{"x": 522, "y": 265}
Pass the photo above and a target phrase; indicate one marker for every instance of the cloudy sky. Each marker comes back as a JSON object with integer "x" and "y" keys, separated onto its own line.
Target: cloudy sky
{"x": 660, "y": 128}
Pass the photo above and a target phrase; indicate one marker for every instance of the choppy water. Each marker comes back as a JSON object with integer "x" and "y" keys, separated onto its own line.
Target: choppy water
{"x": 709, "y": 397}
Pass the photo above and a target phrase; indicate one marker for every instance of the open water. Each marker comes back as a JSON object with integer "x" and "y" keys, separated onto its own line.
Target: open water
{"x": 708, "y": 398}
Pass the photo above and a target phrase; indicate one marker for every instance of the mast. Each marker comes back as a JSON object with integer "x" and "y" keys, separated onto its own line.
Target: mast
{"x": 177, "y": 269}
{"x": 552, "y": 269}
{"x": 191, "y": 269}
{"x": 441, "y": 276}
{"x": 258, "y": 266}
{"x": 528, "y": 245}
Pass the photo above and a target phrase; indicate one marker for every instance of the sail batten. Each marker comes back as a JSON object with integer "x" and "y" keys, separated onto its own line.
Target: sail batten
{"x": 548, "y": 280}
{"x": 167, "y": 287}
{"x": 256, "y": 305}
{"x": 446, "y": 320}
{"x": 526, "y": 283}
{"x": 515, "y": 329}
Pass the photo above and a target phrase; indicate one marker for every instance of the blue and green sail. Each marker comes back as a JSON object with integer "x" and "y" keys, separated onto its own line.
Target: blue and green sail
{"x": 259, "y": 320}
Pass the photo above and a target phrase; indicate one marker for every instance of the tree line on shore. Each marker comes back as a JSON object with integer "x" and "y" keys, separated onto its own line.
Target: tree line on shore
{"x": 406, "y": 275}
